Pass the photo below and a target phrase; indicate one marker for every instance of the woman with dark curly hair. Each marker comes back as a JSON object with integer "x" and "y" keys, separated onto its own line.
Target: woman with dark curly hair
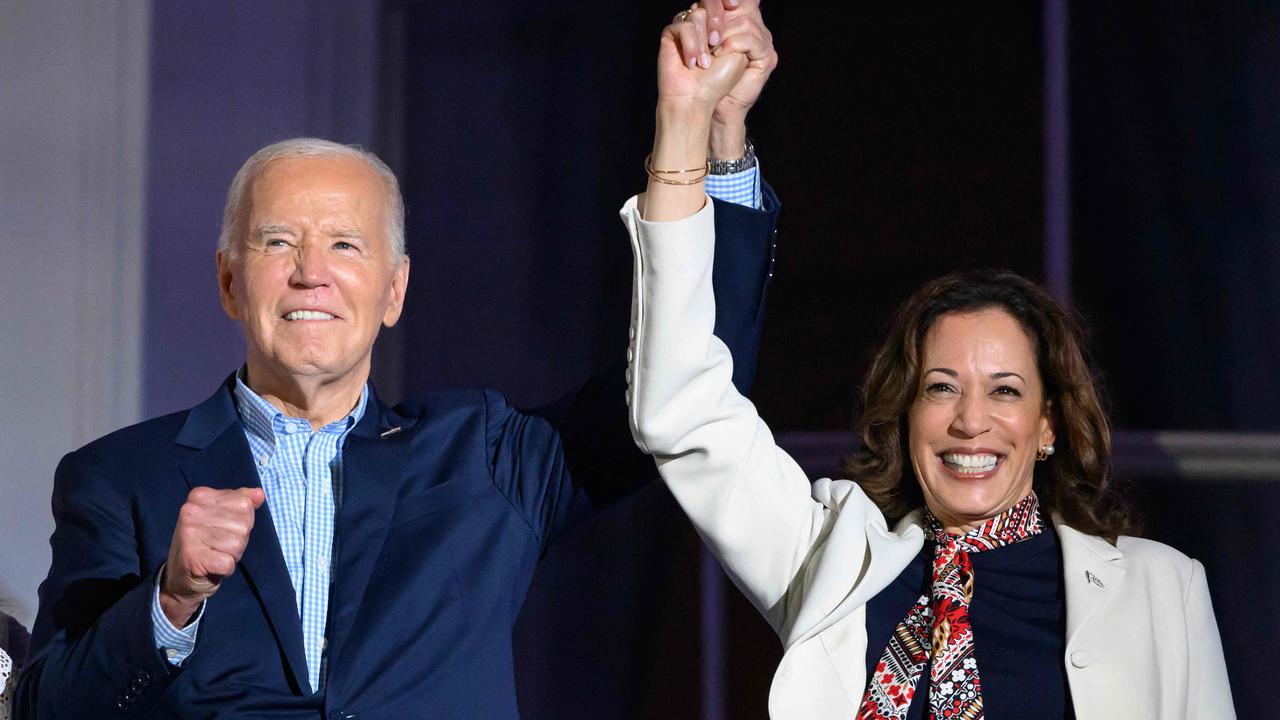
{"x": 978, "y": 563}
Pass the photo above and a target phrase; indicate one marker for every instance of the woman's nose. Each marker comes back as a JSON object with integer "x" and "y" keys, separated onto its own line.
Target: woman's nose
{"x": 971, "y": 418}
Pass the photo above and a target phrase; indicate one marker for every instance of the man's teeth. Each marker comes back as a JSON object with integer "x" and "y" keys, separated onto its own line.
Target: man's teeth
{"x": 308, "y": 315}
{"x": 969, "y": 463}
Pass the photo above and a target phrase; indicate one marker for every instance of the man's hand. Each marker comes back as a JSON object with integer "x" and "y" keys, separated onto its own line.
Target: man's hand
{"x": 212, "y": 532}
{"x": 737, "y": 26}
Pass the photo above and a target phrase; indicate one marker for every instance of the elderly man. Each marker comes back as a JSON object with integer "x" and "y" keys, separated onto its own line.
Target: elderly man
{"x": 293, "y": 547}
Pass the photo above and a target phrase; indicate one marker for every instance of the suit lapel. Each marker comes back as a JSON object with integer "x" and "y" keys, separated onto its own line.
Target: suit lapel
{"x": 373, "y": 461}
{"x": 224, "y": 462}
{"x": 1093, "y": 572}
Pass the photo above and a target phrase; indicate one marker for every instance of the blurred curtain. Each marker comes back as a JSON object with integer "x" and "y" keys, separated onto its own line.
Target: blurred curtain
{"x": 1176, "y": 185}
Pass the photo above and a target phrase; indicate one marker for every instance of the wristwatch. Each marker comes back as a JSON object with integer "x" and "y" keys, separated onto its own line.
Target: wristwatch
{"x": 729, "y": 167}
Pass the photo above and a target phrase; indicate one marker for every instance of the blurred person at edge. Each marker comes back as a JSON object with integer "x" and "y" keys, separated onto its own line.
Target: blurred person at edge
{"x": 978, "y": 561}
{"x": 293, "y": 547}
{"x": 13, "y": 650}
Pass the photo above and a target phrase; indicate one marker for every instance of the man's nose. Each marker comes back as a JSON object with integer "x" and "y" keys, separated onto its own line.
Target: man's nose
{"x": 311, "y": 268}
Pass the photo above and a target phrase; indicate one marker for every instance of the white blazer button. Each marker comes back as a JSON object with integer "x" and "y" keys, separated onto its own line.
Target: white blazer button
{"x": 1081, "y": 659}
{"x": 628, "y": 396}
{"x": 630, "y": 355}
{"x": 631, "y": 333}
{"x": 627, "y": 374}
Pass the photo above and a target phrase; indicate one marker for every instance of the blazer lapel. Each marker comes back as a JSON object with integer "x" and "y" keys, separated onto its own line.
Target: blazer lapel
{"x": 835, "y": 593}
{"x": 373, "y": 461}
{"x": 1093, "y": 571}
{"x": 224, "y": 462}
{"x": 888, "y": 552}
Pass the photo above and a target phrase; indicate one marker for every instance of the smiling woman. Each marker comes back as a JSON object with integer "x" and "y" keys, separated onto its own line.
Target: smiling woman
{"x": 976, "y": 564}
{"x": 1037, "y": 372}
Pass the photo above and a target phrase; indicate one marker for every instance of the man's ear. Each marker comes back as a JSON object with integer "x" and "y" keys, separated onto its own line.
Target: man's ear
{"x": 399, "y": 286}
{"x": 225, "y": 293}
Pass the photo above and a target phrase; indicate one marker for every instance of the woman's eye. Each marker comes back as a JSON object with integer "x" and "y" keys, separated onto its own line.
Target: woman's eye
{"x": 1007, "y": 391}
{"x": 940, "y": 388}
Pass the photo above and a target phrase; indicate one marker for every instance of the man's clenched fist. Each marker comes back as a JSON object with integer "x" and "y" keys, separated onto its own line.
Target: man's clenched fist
{"x": 212, "y": 532}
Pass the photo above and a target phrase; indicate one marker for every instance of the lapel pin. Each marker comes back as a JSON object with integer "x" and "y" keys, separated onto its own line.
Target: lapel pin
{"x": 390, "y": 432}
{"x": 1093, "y": 579}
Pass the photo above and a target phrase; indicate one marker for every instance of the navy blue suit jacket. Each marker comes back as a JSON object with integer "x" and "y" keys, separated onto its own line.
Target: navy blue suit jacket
{"x": 438, "y": 531}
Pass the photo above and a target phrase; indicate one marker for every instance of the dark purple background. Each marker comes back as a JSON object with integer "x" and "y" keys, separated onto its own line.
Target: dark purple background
{"x": 904, "y": 143}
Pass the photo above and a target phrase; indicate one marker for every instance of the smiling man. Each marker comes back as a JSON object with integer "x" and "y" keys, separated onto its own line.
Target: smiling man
{"x": 295, "y": 548}
{"x": 320, "y": 269}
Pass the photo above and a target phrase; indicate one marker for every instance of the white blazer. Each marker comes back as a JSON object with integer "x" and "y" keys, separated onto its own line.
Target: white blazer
{"x": 1141, "y": 637}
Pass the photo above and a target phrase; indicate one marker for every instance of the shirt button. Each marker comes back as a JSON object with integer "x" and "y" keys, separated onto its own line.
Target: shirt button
{"x": 170, "y": 653}
{"x": 1081, "y": 659}
{"x": 263, "y": 460}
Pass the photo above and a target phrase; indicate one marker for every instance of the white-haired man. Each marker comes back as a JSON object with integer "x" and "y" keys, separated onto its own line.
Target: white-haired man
{"x": 294, "y": 547}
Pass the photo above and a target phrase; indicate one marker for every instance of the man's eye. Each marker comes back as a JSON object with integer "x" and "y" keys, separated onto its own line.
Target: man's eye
{"x": 276, "y": 242}
{"x": 343, "y": 245}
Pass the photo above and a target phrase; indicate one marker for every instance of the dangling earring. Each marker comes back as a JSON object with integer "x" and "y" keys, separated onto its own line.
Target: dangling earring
{"x": 1043, "y": 453}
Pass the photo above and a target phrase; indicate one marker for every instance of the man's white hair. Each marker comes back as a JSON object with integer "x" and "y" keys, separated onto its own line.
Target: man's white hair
{"x": 233, "y": 215}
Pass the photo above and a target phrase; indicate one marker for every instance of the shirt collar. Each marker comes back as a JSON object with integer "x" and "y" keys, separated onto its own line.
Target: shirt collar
{"x": 262, "y": 419}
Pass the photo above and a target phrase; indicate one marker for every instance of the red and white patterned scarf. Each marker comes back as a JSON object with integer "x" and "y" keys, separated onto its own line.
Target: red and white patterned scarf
{"x": 937, "y": 628}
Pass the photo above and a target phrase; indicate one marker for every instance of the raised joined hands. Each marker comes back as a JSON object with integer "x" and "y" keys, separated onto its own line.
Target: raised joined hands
{"x": 710, "y": 30}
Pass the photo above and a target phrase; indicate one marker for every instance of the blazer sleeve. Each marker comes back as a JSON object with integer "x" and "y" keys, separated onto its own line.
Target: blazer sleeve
{"x": 595, "y": 459}
{"x": 1208, "y": 687}
{"x": 749, "y": 500}
{"x": 92, "y": 649}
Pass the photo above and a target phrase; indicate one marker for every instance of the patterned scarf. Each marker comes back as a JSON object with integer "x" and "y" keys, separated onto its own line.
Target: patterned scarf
{"x": 937, "y": 627}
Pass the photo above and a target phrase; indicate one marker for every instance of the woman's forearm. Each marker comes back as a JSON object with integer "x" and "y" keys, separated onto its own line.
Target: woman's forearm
{"x": 679, "y": 143}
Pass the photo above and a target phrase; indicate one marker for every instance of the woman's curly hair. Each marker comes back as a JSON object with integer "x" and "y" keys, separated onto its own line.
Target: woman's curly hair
{"x": 1074, "y": 482}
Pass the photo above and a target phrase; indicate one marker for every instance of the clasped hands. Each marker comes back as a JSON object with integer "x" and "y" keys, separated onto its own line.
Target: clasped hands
{"x": 716, "y": 58}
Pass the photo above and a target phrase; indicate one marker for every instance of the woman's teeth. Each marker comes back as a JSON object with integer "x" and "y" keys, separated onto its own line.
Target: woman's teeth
{"x": 962, "y": 463}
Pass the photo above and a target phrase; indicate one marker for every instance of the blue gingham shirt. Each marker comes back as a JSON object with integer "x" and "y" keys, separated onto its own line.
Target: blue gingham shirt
{"x": 741, "y": 188}
{"x": 300, "y": 470}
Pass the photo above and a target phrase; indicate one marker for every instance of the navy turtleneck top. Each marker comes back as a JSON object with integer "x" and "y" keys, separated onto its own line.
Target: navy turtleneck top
{"x": 1019, "y": 627}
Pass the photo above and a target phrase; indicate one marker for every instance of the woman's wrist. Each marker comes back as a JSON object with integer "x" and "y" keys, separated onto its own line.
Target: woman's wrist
{"x": 681, "y": 137}
{"x": 678, "y": 164}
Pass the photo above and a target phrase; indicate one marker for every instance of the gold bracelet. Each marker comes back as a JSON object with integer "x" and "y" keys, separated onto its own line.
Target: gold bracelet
{"x": 656, "y": 175}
